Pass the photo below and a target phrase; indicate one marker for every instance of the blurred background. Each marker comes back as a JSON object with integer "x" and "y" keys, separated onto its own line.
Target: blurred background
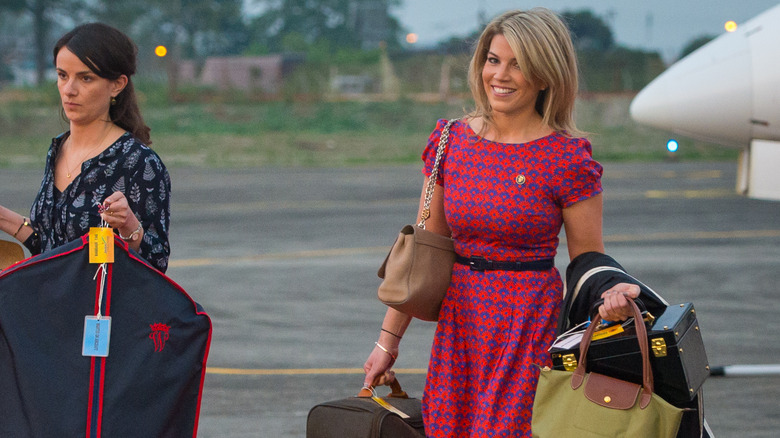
{"x": 244, "y": 83}
{"x": 334, "y": 101}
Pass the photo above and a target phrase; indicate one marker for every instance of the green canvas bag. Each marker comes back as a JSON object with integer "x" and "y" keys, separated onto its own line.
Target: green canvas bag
{"x": 591, "y": 405}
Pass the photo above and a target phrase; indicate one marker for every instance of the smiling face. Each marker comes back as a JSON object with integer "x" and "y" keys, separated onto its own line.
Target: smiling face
{"x": 507, "y": 89}
{"x": 86, "y": 97}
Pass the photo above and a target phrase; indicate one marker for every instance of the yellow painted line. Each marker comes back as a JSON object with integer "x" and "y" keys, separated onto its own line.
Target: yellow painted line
{"x": 706, "y": 174}
{"x": 335, "y": 252}
{"x": 315, "y": 204}
{"x": 340, "y": 252}
{"x": 689, "y": 194}
{"x": 666, "y": 174}
{"x": 741, "y": 234}
{"x": 300, "y": 371}
{"x": 696, "y": 235}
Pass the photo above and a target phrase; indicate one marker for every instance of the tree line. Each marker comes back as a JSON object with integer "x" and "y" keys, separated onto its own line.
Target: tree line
{"x": 323, "y": 30}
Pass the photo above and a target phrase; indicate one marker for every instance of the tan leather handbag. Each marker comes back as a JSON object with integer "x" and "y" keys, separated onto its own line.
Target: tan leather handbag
{"x": 418, "y": 269}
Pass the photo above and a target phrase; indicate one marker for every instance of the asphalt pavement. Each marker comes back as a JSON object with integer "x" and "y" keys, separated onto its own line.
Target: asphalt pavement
{"x": 284, "y": 261}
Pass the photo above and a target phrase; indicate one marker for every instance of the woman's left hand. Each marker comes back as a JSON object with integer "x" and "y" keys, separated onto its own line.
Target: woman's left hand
{"x": 118, "y": 215}
{"x": 616, "y": 305}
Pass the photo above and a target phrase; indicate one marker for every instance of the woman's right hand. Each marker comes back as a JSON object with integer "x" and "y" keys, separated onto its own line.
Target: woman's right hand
{"x": 385, "y": 350}
{"x": 378, "y": 363}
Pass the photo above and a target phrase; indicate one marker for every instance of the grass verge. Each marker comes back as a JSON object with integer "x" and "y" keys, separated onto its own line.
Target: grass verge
{"x": 349, "y": 133}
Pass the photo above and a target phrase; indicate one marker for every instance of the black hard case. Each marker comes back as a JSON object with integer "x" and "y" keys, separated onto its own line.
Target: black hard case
{"x": 678, "y": 373}
{"x": 362, "y": 417}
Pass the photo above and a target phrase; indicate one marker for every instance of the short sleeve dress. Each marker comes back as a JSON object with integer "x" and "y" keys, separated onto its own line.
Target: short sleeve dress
{"x": 504, "y": 202}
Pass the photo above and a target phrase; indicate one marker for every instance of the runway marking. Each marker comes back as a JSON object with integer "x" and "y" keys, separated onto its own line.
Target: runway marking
{"x": 690, "y": 194}
{"x": 315, "y": 253}
{"x": 671, "y": 194}
{"x": 300, "y": 371}
{"x": 696, "y": 235}
{"x": 314, "y": 204}
{"x": 666, "y": 174}
{"x": 340, "y": 252}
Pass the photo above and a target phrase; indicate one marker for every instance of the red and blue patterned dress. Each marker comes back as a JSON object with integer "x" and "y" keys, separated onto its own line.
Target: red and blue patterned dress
{"x": 503, "y": 202}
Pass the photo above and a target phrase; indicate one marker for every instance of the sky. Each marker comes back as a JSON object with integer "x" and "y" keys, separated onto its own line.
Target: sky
{"x": 662, "y": 25}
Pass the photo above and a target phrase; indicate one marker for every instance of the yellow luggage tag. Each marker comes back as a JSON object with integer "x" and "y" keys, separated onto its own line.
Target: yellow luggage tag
{"x": 389, "y": 407}
{"x": 381, "y": 402}
{"x": 607, "y": 332}
{"x": 101, "y": 245}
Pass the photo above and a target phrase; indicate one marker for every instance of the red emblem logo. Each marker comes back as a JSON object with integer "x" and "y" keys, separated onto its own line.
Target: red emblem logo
{"x": 159, "y": 335}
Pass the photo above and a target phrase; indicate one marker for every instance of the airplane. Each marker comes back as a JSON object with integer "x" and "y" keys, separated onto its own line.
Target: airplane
{"x": 727, "y": 92}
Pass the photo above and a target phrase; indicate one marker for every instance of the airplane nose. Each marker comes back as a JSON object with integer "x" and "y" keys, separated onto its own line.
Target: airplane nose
{"x": 650, "y": 107}
{"x": 705, "y": 95}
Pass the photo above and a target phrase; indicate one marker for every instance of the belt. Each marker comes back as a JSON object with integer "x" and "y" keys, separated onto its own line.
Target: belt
{"x": 479, "y": 263}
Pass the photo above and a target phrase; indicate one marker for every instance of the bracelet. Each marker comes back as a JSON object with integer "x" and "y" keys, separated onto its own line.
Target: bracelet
{"x": 385, "y": 350}
{"x": 133, "y": 236}
{"x": 26, "y": 222}
{"x": 388, "y": 331}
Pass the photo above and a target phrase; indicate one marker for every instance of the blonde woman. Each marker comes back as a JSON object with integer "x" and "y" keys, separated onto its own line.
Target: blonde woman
{"x": 514, "y": 173}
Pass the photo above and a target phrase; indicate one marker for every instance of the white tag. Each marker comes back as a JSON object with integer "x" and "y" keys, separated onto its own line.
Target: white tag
{"x": 390, "y": 407}
{"x": 97, "y": 334}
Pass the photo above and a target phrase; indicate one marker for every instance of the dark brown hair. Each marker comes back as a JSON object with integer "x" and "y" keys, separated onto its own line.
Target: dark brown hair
{"x": 109, "y": 53}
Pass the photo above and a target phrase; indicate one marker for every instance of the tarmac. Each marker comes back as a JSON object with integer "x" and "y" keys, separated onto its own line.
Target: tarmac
{"x": 285, "y": 260}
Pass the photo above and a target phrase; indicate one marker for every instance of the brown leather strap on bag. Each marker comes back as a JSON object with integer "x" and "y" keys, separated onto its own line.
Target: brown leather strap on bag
{"x": 641, "y": 336}
{"x": 395, "y": 387}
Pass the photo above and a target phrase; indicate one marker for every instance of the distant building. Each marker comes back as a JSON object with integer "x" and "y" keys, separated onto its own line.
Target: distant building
{"x": 351, "y": 84}
{"x": 248, "y": 73}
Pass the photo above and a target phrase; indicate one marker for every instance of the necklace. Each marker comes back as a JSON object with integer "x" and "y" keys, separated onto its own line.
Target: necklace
{"x": 79, "y": 163}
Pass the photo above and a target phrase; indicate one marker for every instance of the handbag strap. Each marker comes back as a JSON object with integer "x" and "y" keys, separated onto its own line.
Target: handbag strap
{"x": 641, "y": 336}
{"x": 426, "y": 212}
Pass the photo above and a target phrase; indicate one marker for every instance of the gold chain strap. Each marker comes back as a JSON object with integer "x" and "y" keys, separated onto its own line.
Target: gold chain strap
{"x": 426, "y": 213}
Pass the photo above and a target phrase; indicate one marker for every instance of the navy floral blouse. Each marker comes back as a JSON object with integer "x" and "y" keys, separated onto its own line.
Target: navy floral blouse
{"x": 127, "y": 166}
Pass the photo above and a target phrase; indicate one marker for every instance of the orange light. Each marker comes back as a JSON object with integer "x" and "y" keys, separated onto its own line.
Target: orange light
{"x": 160, "y": 51}
{"x": 730, "y": 26}
{"x": 411, "y": 38}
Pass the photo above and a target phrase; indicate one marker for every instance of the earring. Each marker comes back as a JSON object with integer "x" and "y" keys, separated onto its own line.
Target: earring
{"x": 113, "y": 101}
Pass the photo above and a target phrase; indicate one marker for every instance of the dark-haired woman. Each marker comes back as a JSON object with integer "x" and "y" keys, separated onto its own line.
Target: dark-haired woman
{"x": 102, "y": 167}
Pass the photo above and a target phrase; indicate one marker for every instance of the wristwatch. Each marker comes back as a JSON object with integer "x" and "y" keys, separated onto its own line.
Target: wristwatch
{"x": 133, "y": 236}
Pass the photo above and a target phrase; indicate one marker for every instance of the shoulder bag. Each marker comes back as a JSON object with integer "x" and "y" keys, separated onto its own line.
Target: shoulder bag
{"x": 418, "y": 269}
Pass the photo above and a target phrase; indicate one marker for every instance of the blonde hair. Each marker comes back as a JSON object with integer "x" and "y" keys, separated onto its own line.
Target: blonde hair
{"x": 545, "y": 54}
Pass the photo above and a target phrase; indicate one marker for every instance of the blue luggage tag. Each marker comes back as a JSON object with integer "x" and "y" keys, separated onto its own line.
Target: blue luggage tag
{"x": 97, "y": 334}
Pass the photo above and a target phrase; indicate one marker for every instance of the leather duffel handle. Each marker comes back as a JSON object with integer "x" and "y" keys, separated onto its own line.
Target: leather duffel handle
{"x": 395, "y": 388}
{"x": 641, "y": 336}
